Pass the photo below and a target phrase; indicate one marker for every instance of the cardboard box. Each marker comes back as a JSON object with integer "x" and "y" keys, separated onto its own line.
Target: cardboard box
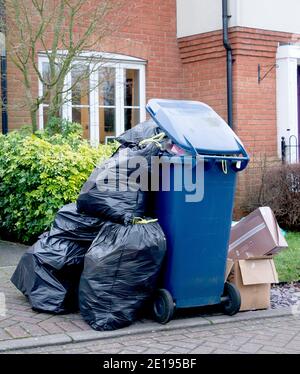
{"x": 229, "y": 268}
{"x": 253, "y": 278}
{"x": 258, "y": 234}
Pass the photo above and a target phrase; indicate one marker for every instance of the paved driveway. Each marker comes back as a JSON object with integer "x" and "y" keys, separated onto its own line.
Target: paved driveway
{"x": 250, "y": 332}
{"x": 272, "y": 335}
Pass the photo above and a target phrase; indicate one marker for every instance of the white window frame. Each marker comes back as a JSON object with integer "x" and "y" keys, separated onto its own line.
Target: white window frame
{"x": 120, "y": 63}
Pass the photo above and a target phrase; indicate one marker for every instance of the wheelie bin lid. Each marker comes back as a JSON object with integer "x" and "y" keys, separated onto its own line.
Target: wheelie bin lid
{"x": 194, "y": 126}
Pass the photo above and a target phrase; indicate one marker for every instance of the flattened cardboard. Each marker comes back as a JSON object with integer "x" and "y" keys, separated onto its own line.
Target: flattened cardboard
{"x": 253, "y": 278}
{"x": 258, "y": 271}
{"x": 256, "y": 235}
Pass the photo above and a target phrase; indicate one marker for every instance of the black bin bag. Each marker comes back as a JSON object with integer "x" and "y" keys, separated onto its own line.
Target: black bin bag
{"x": 49, "y": 272}
{"x": 142, "y": 131}
{"x": 120, "y": 273}
{"x": 111, "y": 193}
{"x": 47, "y": 289}
{"x": 72, "y": 225}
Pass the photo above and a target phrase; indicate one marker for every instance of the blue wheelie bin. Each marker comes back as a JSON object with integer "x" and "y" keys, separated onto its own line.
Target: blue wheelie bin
{"x": 197, "y": 232}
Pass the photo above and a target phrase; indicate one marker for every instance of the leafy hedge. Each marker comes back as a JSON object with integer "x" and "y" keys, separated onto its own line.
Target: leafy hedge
{"x": 38, "y": 175}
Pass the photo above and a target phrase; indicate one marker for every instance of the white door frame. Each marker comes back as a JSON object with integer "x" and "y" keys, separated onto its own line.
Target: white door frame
{"x": 287, "y": 60}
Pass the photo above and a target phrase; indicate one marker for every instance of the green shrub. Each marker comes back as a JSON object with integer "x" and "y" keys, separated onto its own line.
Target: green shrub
{"x": 60, "y": 131}
{"x": 279, "y": 189}
{"x": 64, "y": 127}
{"x": 38, "y": 175}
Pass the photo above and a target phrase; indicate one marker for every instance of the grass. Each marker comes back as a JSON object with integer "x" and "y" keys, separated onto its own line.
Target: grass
{"x": 288, "y": 261}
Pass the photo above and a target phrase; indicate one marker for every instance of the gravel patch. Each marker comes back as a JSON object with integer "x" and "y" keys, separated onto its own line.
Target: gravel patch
{"x": 285, "y": 294}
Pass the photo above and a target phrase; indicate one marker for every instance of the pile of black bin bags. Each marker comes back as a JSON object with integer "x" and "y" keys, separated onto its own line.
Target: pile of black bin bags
{"x": 49, "y": 272}
{"x": 98, "y": 255}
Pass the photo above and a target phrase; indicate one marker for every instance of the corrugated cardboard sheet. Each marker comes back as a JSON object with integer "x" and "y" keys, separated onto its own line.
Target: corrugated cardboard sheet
{"x": 258, "y": 234}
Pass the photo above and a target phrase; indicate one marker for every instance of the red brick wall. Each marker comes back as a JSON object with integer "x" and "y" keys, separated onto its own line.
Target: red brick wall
{"x": 204, "y": 75}
{"x": 150, "y": 34}
{"x": 254, "y": 105}
{"x": 204, "y": 69}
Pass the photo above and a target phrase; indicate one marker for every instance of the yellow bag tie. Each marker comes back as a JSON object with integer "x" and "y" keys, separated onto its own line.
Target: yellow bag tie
{"x": 143, "y": 221}
{"x": 156, "y": 139}
{"x": 224, "y": 166}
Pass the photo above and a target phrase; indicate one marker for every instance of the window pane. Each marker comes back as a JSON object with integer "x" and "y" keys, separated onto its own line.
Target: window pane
{"x": 107, "y": 121}
{"x": 107, "y": 94}
{"x": 132, "y": 92}
{"x": 46, "y": 77}
{"x": 45, "y": 116}
{"x": 82, "y": 115}
{"x": 80, "y": 85}
{"x": 132, "y": 118}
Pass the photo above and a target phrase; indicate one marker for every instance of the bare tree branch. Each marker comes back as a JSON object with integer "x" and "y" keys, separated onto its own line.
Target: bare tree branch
{"x": 63, "y": 30}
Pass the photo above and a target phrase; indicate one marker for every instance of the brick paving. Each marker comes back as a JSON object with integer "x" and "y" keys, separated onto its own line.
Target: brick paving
{"x": 20, "y": 321}
{"x": 272, "y": 335}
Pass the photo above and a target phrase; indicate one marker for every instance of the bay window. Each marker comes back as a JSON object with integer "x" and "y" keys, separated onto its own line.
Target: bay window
{"x": 106, "y": 99}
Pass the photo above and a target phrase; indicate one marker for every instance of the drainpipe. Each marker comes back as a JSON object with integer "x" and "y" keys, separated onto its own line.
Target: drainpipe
{"x": 228, "y": 48}
{"x": 3, "y": 67}
{"x": 3, "y": 85}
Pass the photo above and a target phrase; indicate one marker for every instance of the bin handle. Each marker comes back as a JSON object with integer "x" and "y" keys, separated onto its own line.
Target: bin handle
{"x": 243, "y": 161}
{"x": 236, "y": 163}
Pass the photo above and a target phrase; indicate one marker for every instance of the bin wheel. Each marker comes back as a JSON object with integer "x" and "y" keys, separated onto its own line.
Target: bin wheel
{"x": 231, "y": 299}
{"x": 163, "y": 306}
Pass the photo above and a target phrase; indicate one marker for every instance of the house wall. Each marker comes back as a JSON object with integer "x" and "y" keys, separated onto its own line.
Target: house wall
{"x": 204, "y": 70}
{"x": 260, "y": 111}
{"x": 276, "y": 15}
{"x": 200, "y": 16}
{"x": 150, "y": 34}
{"x": 204, "y": 74}
{"x": 254, "y": 104}
{"x": 194, "y": 66}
